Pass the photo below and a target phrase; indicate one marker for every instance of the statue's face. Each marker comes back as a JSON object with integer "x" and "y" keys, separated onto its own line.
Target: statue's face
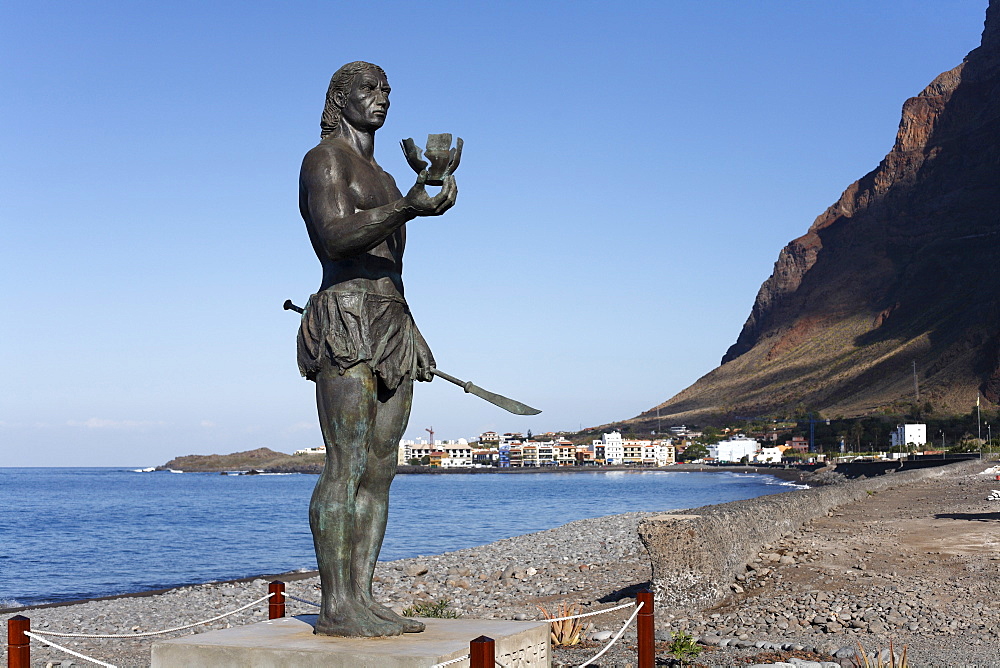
{"x": 367, "y": 102}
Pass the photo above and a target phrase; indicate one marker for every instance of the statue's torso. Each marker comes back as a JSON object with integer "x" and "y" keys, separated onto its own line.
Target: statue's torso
{"x": 378, "y": 270}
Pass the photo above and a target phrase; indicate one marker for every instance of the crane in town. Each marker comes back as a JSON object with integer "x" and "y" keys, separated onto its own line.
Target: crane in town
{"x": 430, "y": 430}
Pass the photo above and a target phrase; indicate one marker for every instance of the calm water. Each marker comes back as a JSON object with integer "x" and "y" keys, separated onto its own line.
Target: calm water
{"x": 70, "y": 533}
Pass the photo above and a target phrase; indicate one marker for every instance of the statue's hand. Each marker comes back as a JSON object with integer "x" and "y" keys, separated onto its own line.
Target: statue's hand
{"x": 425, "y": 205}
{"x": 425, "y": 360}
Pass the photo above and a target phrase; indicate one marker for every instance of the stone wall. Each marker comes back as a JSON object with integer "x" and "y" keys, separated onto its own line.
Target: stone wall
{"x": 696, "y": 555}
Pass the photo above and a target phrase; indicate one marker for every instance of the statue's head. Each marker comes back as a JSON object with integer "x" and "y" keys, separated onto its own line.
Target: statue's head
{"x": 341, "y": 85}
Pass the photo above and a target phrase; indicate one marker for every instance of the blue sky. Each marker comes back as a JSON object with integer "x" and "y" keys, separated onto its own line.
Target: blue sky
{"x": 631, "y": 171}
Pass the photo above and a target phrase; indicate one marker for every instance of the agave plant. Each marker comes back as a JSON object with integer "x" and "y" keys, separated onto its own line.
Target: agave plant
{"x": 876, "y": 661}
{"x": 566, "y": 632}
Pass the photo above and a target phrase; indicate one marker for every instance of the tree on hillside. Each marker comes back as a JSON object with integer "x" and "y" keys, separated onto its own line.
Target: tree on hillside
{"x": 709, "y": 436}
{"x": 692, "y": 452}
{"x": 855, "y": 432}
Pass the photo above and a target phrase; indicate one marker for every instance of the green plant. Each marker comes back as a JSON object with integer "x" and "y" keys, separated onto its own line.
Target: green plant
{"x": 682, "y": 647}
{"x": 439, "y": 609}
{"x": 694, "y": 451}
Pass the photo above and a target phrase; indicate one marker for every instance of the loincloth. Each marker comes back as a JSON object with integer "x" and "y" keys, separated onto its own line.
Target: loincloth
{"x": 342, "y": 329}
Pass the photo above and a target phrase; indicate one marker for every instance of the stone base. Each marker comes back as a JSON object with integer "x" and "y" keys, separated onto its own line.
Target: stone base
{"x": 290, "y": 643}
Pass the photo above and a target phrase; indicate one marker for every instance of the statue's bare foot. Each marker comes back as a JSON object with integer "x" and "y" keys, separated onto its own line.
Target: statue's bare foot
{"x": 353, "y": 620}
{"x": 409, "y": 624}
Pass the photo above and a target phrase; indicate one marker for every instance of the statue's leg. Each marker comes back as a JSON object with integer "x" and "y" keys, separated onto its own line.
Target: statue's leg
{"x": 348, "y": 405}
{"x": 373, "y": 496}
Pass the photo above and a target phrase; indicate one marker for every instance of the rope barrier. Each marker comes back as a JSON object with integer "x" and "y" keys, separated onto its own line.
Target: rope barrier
{"x": 300, "y": 600}
{"x": 587, "y": 614}
{"x": 67, "y": 650}
{"x": 448, "y": 663}
{"x": 554, "y": 619}
{"x": 613, "y": 640}
{"x": 37, "y": 635}
{"x": 153, "y": 633}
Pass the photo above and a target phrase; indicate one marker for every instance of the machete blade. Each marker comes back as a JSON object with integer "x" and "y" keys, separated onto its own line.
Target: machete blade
{"x": 509, "y": 405}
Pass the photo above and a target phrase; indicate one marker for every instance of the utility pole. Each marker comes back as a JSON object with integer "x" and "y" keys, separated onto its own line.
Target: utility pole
{"x": 812, "y": 432}
{"x": 979, "y": 423}
{"x": 916, "y": 387}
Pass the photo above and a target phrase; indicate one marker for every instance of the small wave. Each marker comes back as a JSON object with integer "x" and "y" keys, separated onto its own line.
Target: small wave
{"x": 10, "y": 603}
{"x": 786, "y": 483}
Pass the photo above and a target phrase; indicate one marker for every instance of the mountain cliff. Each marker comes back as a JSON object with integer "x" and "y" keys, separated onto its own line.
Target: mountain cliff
{"x": 902, "y": 269}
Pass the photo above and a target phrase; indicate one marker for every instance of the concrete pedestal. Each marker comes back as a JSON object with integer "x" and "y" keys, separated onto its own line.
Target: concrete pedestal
{"x": 290, "y": 643}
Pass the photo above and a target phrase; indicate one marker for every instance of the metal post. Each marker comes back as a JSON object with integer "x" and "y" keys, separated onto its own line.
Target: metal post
{"x": 482, "y": 653}
{"x": 276, "y": 604}
{"x": 812, "y": 433}
{"x": 18, "y": 644}
{"x": 646, "y": 630}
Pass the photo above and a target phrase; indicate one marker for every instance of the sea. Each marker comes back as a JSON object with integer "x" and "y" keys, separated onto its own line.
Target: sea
{"x": 75, "y": 533}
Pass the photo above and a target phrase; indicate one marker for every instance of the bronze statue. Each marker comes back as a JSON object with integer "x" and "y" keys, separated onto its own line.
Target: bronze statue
{"x": 359, "y": 343}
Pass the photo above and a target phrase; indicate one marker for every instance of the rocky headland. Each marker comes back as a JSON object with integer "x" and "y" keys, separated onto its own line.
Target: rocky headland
{"x": 916, "y": 564}
{"x": 901, "y": 269}
{"x": 261, "y": 459}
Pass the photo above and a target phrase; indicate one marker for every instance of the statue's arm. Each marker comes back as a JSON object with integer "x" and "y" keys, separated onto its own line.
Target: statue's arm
{"x": 342, "y": 228}
{"x": 346, "y": 231}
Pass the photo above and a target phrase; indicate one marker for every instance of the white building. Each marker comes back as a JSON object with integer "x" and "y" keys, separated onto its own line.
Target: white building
{"x": 610, "y": 448}
{"x": 909, "y": 434}
{"x": 734, "y": 449}
{"x": 768, "y": 455}
{"x": 659, "y": 453}
{"x": 459, "y": 453}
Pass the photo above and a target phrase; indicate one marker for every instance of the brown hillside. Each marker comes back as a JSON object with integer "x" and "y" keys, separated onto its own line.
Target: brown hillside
{"x": 261, "y": 459}
{"x": 902, "y": 269}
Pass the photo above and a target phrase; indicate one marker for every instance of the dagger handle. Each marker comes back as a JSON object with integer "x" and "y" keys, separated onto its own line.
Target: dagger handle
{"x": 450, "y": 378}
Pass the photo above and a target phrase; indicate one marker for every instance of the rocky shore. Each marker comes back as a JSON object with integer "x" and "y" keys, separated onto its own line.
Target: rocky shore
{"x": 918, "y": 565}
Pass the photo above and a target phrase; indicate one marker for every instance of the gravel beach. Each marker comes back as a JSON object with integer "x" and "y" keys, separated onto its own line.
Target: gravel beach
{"x": 918, "y": 565}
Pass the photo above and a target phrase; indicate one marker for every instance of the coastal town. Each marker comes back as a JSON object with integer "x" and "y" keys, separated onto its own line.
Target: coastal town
{"x": 517, "y": 450}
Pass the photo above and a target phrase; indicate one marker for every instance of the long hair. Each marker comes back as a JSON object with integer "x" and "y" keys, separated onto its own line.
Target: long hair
{"x": 341, "y": 81}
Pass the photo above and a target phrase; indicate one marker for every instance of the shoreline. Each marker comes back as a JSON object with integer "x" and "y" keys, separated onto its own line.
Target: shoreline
{"x": 793, "y": 476}
{"x": 790, "y": 474}
{"x": 896, "y": 565}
